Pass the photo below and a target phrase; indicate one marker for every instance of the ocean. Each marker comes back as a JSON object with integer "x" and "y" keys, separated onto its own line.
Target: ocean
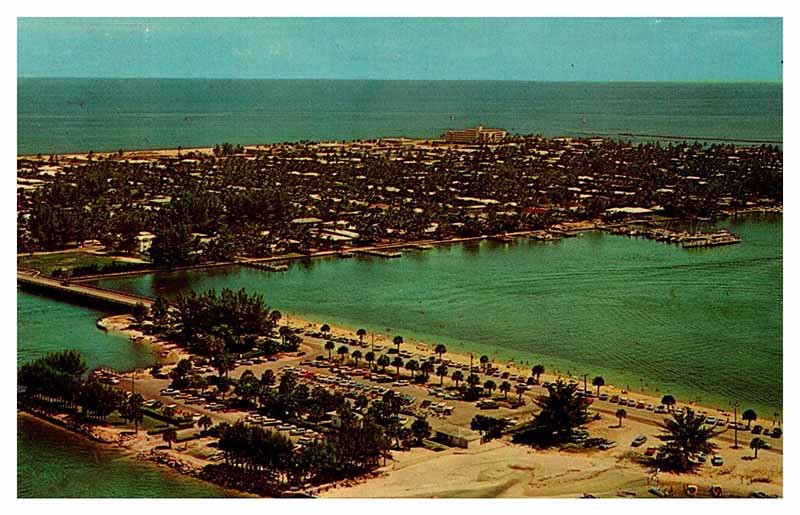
{"x": 700, "y": 324}
{"x": 78, "y": 115}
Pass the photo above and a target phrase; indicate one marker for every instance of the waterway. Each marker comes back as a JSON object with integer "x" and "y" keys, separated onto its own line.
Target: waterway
{"x": 701, "y": 324}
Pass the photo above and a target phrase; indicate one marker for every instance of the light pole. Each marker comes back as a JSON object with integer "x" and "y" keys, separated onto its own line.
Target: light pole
{"x": 735, "y": 426}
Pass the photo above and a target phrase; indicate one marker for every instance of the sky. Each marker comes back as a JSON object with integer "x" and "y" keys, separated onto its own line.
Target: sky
{"x": 533, "y": 49}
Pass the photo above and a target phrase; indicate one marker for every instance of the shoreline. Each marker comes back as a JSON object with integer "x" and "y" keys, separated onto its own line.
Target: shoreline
{"x": 130, "y": 447}
{"x": 121, "y": 323}
{"x": 499, "y": 468}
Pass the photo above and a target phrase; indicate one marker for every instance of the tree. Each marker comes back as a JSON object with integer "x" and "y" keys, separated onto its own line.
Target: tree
{"x": 457, "y": 376}
{"x": 169, "y": 436}
{"x": 342, "y": 351}
{"x": 484, "y": 360}
{"x": 356, "y": 355}
{"x": 490, "y": 386}
{"x": 473, "y": 380}
{"x": 384, "y": 362}
{"x": 505, "y": 387}
{"x": 489, "y": 427}
{"x": 441, "y": 371}
{"x": 275, "y": 316}
{"x": 180, "y": 373}
{"x": 131, "y": 410}
{"x": 397, "y": 362}
{"x": 750, "y": 416}
{"x": 620, "y": 414}
{"x": 440, "y": 350}
{"x": 684, "y": 436}
{"x": 325, "y": 329}
{"x": 427, "y": 368}
{"x": 537, "y": 370}
{"x": 139, "y": 314}
{"x": 756, "y": 444}
{"x": 668, "y": 401}
{"x": 159, "y": 312}
{"x": 329, "y": 346}
{"x": 248, "y": 387}
{"x": 268, "y": 378}
{"x": 361, "y": 333}
{"x": 173, "y": 246}
{"x": 398, "y": 341}
{"x": 205, "y": 422}
{"x": 561, "y": 411}
{"x": 598, "y": 382}
{"x": 412, "y": 366}
{"x": 421, "y": 429}
{"x": 370, "y": 358}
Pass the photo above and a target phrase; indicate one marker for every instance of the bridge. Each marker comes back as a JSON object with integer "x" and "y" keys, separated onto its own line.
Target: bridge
{"x": 85, "y": 293}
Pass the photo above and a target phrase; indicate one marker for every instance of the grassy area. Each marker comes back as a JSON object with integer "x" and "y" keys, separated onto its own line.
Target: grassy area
{"x": 47, "y": 263}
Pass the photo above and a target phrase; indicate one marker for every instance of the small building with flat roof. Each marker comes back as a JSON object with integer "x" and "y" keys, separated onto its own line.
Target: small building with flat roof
{"x": 455, "y": 436}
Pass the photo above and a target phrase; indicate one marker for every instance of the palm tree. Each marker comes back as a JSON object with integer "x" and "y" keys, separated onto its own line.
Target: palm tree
{"x": 205, "y": 422}
{"x": 668, "y": 401}
{"x": 598, "y": 382}
{"x": 169, "y": 436}
{"x": 398, "y": 340}
{"x": 621, "y": 413}
{"x": 750, "y": 416}
{"x": 384, "y": 362}
{"x": 329, "y": 346}
{"x": 441, "y": 371}
{"x": 489, "y": 386}
{"x": 457, "y": 376}
{"x": 537, "y": 370}
{"x": 426, "y": 368}
{"x": 356, "y": 355}
{"x": 412, "y": 366}
{"x": 370, "y": 358}
{"x": 684, "y": 435}
{"x": 342, "y": 351}
{"x": 440, "y": 350}
{"x": 484, "y": 361}
{"x": 397, "y": 362}
{"x": 756, "y": 444}
{"x": 473, "y": 380}
{"x": 505, "y": 387}
{"x": 361, "y": 333}
{"x": 325, "y": 329}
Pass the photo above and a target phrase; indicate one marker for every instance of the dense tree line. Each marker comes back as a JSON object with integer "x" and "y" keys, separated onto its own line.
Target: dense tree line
{"x": 57, "y": 380}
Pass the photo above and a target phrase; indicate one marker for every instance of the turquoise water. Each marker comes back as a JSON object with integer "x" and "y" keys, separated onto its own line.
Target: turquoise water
{"x": 702, "y": 324}
{"x": 46, "y": 325}
{"x": 52, "y": 462}
{"x": 60, "y": 115}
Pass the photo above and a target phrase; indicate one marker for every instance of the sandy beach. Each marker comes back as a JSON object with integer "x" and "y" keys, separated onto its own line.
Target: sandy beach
{"x": 495, "y": 469}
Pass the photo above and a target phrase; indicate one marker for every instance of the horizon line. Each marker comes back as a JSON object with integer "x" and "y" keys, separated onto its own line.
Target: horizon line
{"x": 675, "y": 81}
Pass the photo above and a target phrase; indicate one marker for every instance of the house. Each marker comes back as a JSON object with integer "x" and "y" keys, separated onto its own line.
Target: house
{"x": 455, "y": 436}
{"x": 144, "y": 240}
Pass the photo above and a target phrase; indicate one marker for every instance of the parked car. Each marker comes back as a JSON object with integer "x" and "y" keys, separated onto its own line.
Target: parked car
{"x": 638, "y": 441}
{"x": 757, "y": 429}
{"x": 717, "y": 460}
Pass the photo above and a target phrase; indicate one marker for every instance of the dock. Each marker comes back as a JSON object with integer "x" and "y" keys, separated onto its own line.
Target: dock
{"x": 381, "y": 253}
{"x": 266, "y": 267}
